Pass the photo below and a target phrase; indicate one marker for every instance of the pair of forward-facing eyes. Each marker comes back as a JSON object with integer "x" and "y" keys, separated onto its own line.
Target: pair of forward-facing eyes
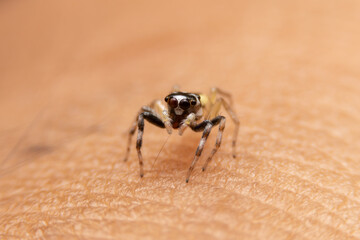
{"x": 184, "y": 103}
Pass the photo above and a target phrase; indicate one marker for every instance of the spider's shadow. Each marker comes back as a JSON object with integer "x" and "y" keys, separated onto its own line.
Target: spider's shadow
{"x": 179, "y": 152}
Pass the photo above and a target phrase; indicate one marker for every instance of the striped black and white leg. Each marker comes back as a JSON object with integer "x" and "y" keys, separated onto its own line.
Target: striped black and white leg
{"x": 153, "y": 119}
{"x": 206, "y": 126}
{"x": 221, "y": 121}
{"x": 133, "y": 129}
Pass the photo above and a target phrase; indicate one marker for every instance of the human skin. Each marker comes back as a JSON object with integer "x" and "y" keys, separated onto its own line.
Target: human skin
{"x": 73, "y": 75}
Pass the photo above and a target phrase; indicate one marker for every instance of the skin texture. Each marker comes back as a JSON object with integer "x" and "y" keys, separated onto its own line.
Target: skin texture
{"x": 74, "y": 74}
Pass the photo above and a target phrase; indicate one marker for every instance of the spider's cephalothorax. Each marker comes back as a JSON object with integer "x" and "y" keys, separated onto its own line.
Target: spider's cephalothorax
{"x": 181, "y": 105}
{"x": 200, "y": 112}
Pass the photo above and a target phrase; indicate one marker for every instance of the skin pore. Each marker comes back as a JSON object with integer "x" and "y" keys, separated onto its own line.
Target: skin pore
{"x": 74, "y": 76}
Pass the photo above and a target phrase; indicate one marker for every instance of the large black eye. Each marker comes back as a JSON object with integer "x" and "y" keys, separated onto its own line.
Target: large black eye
{"x": 193, "y": 102}
{"x": 166, "y": 99}
{"x": 173, "y": 102}
{"x": 184, "y": 104}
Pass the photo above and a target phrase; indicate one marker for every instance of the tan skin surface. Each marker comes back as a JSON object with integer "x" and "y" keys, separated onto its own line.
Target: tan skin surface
{"x": 74, "y": 74}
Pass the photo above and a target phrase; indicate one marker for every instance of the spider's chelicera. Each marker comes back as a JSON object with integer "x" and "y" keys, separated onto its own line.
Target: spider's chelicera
{"x": 200, "y": 112}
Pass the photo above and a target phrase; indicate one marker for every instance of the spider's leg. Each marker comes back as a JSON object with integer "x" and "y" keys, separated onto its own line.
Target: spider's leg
{"x": 206, "y": 126}
{"x": 133, "y": 129}
{"x": 236, "y": 121}
{"x": 221, "y": 121}
{"x": 130, "y": 135}
{"x": 153, "y": 119}
{"x": 217, "y": 91}
{"x": 215, "y": 108}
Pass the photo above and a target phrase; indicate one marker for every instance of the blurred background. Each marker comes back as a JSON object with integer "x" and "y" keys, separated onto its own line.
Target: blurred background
{"x": 79, "y": 61}
{"x": 72, "y": 69}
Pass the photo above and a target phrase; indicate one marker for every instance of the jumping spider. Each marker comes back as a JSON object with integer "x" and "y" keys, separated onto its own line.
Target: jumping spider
{"x": 200, "y": 112}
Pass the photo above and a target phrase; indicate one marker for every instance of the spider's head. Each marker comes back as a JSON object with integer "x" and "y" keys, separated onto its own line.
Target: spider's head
{"x": 181, "y": 103}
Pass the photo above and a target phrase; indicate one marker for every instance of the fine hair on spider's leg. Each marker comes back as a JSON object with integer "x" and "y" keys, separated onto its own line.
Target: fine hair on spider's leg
{"x": 206, "y": 126}
{"x": 153, "y": 119}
